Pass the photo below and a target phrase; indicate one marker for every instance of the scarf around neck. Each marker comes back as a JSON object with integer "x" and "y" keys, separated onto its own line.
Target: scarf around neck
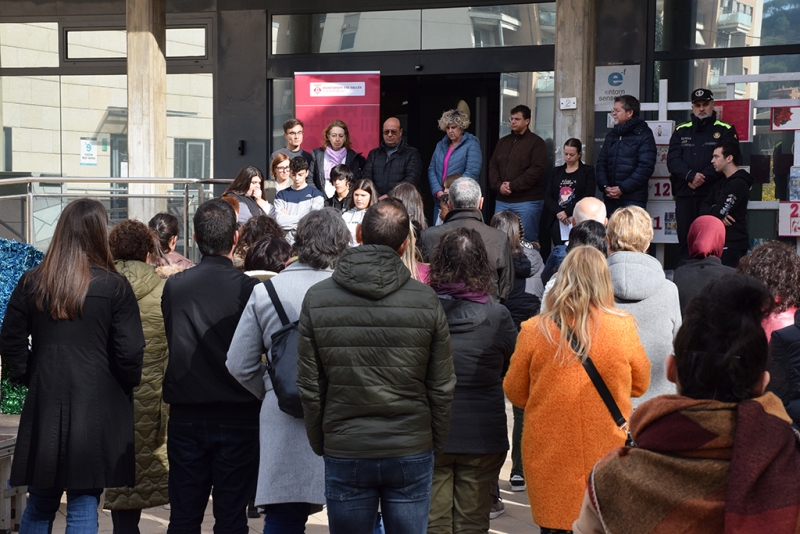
{"x": 332, "y": 159}
{"x": 703, "y": 466}
{"x": 460, "y": 291}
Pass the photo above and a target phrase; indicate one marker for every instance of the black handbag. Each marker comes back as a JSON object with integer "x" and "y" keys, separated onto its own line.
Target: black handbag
{"x": 602, "y": 389}
{"x": 282, "y": 363}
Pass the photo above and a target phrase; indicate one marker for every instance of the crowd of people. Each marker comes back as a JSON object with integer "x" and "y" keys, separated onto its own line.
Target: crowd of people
{"x": 332, "y": 348}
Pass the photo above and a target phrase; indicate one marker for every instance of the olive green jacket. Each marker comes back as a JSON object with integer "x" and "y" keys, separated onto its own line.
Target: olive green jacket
{"x": 375, "y": 368}
{"x": 149, "y": 412}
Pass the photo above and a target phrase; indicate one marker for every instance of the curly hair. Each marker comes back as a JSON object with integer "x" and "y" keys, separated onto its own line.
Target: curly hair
{"x": 454, "y": 116}
{"x": 254, "y": 229}
{"x": 460, "y": 257}
{"x": 778, "y": 266}
{"x": 132, "y": 240}
{"x": 630, "y": 229}
{"x": 336, "y": 124}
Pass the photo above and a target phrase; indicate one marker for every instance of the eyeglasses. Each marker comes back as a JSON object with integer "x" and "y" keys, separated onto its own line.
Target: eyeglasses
{"x": 295, "y": 134}
{"x": 390, "y": 132}
{"x": 281, "y": 169}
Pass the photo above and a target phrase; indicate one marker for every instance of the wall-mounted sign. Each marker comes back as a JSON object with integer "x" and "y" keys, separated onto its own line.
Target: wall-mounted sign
{"x": 88, "y": 151}
{"x": 739, "y": 113}
{"x": 789, "y": 219}
{"x": 784, "y": 119}
{"x": 662, "y": 131}
{"x": 614, "y": 81}
{"x": 665, "y": 226}
{"x": 659, "y": 189}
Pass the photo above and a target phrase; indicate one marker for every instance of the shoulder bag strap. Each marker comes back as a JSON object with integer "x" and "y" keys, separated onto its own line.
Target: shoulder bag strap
{"x": 599, "y": 384}
{"x": 276, "y": 302}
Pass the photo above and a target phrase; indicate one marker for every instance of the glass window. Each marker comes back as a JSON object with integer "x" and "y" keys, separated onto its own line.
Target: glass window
{"x": 726, "y": 23}
{"x": 190, "y": 125}
{"x": 30, "y": 45}
{"x": 282, "y": 109}
{"x": 86, "y": 44}
{"x": 488, "y": 26}
{"x": 322, "y": 33}
{"x": 186, "y": 42}
{"x": 533, "y": 89}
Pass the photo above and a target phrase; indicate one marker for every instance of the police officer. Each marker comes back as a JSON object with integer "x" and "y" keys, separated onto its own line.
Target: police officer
{"x": 689, "y": 161}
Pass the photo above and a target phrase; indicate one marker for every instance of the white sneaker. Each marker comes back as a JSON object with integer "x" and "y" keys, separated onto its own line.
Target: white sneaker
{"x": 517, "y": 483}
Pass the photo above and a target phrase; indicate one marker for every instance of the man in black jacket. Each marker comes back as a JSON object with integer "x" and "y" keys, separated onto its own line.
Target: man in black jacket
{"x": 466, "y": 202}
{"x": 213, "y": 426}
{"x": 392, "y": 162}
{"x": 689, "y": 161}
{"x": 727, "y": 201}
{"x": 376, "y": 377}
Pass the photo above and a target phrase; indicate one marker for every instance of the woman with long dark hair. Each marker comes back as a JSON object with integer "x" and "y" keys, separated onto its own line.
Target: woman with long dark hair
{"x": 85, "y": 357}
{"x": 569, "y": 183}
{"x": 721, "y": 455}
{"x": 248, "y": 189}
{"x": 482, "y": 335}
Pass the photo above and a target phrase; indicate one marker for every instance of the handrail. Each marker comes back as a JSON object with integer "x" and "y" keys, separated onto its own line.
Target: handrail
{"x": 110, "y": 179}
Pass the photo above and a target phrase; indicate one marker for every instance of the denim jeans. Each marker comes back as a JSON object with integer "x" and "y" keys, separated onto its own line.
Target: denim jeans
{"x": 286, "y": 518}
{"x": 355, "y": 486}
{"x": 43, "y": 504}
{"x": 529, "y": 213}
{"x": 205, "y": 454}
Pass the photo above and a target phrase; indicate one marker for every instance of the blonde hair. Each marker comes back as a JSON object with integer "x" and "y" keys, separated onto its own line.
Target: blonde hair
{"x": 410, "y": 255}
{"x": 630, "y": 229}
{"x": 582, "y": 290}
{"x": 454, "y": 116}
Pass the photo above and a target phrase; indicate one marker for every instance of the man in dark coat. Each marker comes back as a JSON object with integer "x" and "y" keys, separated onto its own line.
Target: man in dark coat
{"x": 466, "y": 202}
{"x": 689, "y": 161}
{"x": 392, "y": 162}
{"x": 375, "y": 374}
{"x": 627, "y": 159}
{"x": 213, "y": 427}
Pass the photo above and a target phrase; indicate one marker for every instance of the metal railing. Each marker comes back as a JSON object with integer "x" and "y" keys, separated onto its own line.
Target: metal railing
{"x": 193, "y": 193}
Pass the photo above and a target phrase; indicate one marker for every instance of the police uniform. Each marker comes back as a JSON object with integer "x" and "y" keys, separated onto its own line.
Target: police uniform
{"x": 690, "y": 150}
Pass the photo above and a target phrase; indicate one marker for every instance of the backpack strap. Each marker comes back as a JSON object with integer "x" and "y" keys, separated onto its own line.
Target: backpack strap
{"x": 276, "y": 303}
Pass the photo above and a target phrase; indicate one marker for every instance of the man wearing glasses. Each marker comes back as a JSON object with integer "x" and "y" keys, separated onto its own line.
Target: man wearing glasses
{"x": 293, "y": 132}
{"x": 392, "y": 162}
{"x": 627, "y": 159}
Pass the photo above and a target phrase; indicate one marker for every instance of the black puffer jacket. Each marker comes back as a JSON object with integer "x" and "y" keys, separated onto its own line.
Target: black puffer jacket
{"x": 483, "y": 338}
{"x": 628, "y": 159}
{"x": 375, "y": 369}
{"x": 784, "y": 367}
{"x": 316, "y": 169}
{"x": 404, "y": 165}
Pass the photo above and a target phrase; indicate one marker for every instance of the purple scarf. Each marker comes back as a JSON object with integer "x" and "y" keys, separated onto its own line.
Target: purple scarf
{"x": 334, "y": 158}
{"x": 460, "y": 291}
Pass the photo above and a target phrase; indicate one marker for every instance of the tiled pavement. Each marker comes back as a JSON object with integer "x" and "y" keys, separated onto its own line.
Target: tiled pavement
{"x": 516, "y": 520}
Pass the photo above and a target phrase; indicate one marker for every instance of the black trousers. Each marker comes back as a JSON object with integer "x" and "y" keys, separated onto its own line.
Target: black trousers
{"x": 126, "y": 521}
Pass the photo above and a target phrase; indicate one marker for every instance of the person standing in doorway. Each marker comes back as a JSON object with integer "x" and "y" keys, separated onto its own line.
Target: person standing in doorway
{"x": 393, "y": 162}
{"x": 689, "y": 161}
{"x": 293, "y": 133}
{"x": 516, "y": 172}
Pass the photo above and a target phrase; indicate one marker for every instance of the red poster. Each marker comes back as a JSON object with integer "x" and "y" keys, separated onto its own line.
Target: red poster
{"x": 740, "y": 114}
{"x": 353, "y": 97}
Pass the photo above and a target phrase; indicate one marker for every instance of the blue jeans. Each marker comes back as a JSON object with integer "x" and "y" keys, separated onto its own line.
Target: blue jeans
{"x": 43, "y": 504}
{"x": 529, "y": 213}
{"x": 354, "y": 486}
{"x": 286, "y": 518}
{"x": 205, "y": 454}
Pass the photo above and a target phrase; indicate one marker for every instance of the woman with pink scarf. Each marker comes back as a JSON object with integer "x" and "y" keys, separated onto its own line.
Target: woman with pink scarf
{"x": 335, "y": 150}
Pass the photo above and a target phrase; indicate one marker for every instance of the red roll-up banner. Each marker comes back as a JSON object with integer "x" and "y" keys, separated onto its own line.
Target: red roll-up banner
{"x": 353, "y": 97}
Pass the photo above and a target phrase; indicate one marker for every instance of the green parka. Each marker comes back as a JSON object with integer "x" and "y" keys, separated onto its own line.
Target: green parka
{"x": 375, "y": 368}
{"x": 149, "y": 411}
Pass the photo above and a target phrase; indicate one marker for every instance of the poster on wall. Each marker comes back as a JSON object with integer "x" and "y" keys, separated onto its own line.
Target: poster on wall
{"x": 789, "y": 219}
{"x": 613, "y": 81}
{"x": 785, "y": 119}
{"x": 659, "y": 189}
{"x": 662, "y": 131}
{"x": 353, "y": 97}
{"x": 88, "y": 151}
{"x": 665, "y": 226}
{"x": 739, "y": 113}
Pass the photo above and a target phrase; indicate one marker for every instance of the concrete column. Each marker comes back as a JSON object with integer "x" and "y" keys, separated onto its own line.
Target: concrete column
{"x": 574, "y": 74}
{"x": 146, "y": 23}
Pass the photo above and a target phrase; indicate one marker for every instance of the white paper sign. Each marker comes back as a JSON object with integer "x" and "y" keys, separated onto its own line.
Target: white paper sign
{"x": 565, "y": 229}
{"x": 328, "y": 89}
{"x": 665, "y": 227}
{"x": 613, "y": 81}
{"x": 88, "y": 151}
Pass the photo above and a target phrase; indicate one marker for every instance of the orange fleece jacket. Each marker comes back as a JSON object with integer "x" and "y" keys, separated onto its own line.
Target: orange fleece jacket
{"x": 567, "y": 426}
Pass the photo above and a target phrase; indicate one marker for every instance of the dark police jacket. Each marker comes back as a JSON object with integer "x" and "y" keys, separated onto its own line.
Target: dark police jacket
{"x": 690, "y": 150}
